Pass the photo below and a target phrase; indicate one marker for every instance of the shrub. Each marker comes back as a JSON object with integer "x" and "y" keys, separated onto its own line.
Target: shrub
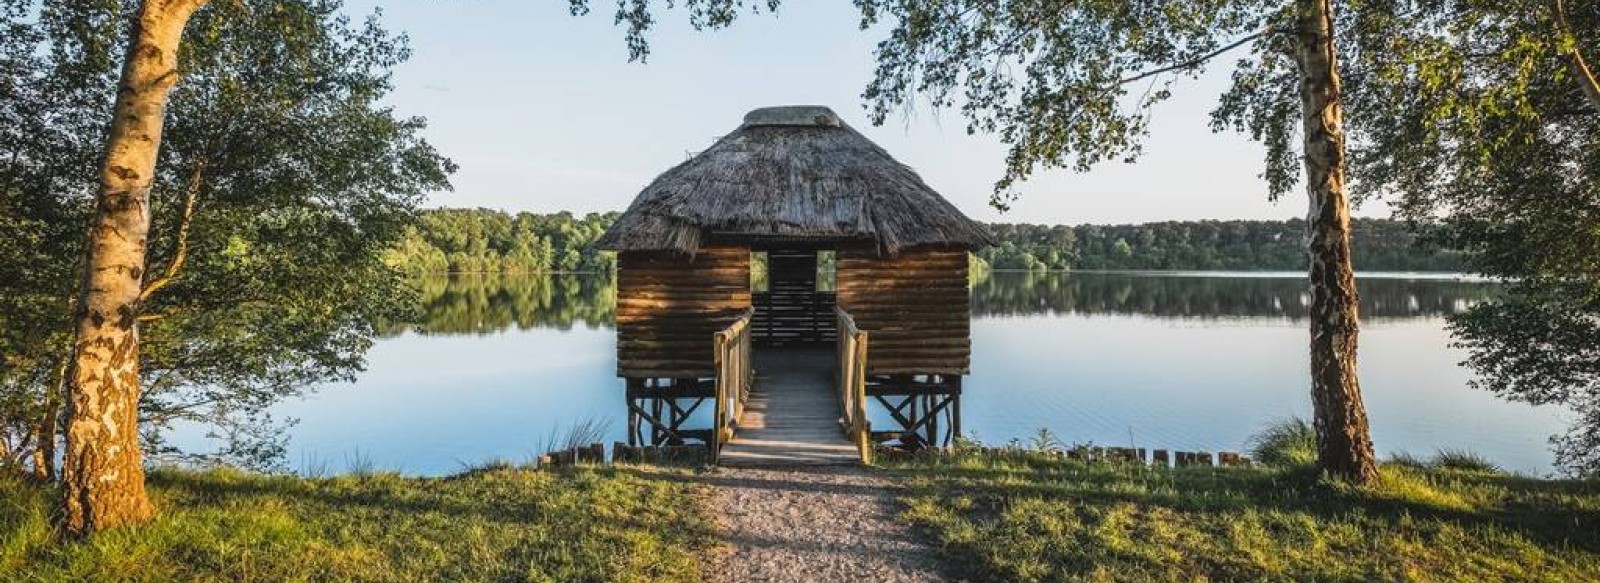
{"x": 1460, "y": 459}
{"x": 1045, "y": 441}
{"x": 1289, "y": 442}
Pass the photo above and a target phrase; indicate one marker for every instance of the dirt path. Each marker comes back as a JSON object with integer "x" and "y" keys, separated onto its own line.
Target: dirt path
{"x": 813, "y": 524}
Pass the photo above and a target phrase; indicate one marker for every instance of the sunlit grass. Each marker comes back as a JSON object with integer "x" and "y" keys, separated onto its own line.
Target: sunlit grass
{"x": 496, "y": 523}
{"x": 1027, "y": 516}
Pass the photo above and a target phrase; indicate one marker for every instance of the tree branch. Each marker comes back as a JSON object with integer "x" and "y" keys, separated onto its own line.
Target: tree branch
{"x": 181, "y": 247}
{"x": 1580, "y": 67}
{"x": 1197, "y": 61}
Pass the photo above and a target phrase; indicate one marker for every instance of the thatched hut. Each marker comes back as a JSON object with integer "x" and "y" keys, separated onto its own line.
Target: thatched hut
{"x": 789, "y": 182}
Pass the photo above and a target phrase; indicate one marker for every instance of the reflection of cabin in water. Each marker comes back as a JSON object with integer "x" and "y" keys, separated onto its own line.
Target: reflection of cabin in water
{"x": 792, "y": 182}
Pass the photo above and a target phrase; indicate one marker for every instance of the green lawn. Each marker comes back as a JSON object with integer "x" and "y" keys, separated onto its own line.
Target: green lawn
{"x": 1036, "y": 517}
{"x": 492, "y": 525}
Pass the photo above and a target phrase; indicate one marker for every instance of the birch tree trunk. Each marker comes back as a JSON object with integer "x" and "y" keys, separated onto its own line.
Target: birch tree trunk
{"x": 1575, "y": 61}
{"x": 1344, "y": 443}
{"x": 102, "y": 473}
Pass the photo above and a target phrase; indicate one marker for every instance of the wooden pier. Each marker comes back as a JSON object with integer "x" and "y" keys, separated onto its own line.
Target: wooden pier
{"x": 792, "y": 415}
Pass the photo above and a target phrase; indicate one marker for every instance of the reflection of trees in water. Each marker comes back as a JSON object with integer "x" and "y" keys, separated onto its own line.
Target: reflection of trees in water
{"x": 479, "y": 304}
{"x": 1022, "y": 293}
{"x": 484, "y": 303}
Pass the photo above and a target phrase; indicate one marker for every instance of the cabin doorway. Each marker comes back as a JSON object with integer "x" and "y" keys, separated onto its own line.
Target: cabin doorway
{"x": 793, "y": 304}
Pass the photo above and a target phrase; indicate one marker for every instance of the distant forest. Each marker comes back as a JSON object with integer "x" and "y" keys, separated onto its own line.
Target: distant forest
{"x": 492, "y": 241}
{"x": 1379, "y": 245}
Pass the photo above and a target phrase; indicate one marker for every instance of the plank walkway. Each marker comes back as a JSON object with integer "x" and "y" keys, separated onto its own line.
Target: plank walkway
{"x": 792, "y": 416}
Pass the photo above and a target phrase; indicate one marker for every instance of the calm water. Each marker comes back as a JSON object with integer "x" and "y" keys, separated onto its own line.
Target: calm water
{"x": 1185, "y": 361}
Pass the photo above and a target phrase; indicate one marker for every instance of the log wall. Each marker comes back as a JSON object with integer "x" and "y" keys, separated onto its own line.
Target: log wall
{"x": 669, "y": 305}
{"x": 915, "y": 308}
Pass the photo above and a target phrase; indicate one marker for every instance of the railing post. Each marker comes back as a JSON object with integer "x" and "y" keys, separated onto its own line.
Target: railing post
{"x": 853, "y": 383}
{"x": 863, "y": 427}
{"x": 845, "y": 351}
{"x": 720, "y": 361}
{"x": 730, "y": 353}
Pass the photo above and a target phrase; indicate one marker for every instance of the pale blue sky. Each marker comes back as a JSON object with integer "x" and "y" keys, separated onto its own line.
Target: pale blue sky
{"x": 543, "y": 112}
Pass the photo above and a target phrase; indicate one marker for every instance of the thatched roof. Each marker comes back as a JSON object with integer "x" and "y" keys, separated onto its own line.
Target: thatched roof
{"x": 793, "y": 173}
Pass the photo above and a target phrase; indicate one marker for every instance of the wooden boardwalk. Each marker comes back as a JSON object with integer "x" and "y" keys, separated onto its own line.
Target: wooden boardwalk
{"x": 792, "y": 416}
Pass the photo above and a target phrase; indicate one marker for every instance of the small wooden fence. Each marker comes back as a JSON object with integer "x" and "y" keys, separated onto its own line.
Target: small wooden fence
{"x": 731, "y": 356}
{"x": 853, "y": 384}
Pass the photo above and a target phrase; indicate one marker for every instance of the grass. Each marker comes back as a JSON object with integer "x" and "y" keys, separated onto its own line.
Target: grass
{"x": 1032, "y": 516}
{"x": 497, "y": 523}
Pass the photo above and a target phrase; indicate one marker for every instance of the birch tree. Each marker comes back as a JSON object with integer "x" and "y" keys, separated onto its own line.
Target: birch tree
{"x": 103, "y": 473}
{"x": 1073, "y": 85}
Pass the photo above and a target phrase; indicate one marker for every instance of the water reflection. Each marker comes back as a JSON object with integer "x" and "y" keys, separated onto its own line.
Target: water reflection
{"x": 494, "y": 364}
{"x": 486, "y": 303}
{"x": 1209, "y": 295}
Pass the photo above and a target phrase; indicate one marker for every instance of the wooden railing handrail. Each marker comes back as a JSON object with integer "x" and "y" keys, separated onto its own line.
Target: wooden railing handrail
{"x": 853, "y": 384}
{"x": 731, "y": 357}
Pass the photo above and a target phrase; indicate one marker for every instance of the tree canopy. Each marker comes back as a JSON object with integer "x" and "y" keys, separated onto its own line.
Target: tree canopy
{"x": 281, "y": 178}
{"x": 1482, "y": 121}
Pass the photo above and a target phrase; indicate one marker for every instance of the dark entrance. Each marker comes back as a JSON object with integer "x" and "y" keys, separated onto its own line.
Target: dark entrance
{"x": 792, "y": 311}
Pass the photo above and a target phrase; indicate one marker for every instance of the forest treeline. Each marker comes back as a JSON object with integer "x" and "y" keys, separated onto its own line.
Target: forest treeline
{"x": 1379, "y": 245}
{"x": 493, "y": 241}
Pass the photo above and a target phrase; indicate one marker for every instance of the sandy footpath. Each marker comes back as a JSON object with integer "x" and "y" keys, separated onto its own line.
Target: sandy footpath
{"x": 813, "y": 524}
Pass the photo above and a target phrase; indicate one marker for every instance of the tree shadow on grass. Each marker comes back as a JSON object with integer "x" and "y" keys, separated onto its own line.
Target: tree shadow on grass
{"x": 1556, "y": 516}
{"x": 477, "y": 497}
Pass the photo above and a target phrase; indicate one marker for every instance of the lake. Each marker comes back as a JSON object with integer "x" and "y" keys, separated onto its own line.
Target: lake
{"x": 495, "y": 365}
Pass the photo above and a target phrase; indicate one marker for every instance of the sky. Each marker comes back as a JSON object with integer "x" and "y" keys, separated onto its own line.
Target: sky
{"x": 543, "y": 112}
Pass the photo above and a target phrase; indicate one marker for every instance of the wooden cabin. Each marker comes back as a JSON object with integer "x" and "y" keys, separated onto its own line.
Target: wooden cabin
{"x": 789, "y": 184}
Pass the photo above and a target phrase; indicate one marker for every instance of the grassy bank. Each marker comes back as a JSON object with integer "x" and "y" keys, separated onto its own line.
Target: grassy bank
{"x": 492, "y": 525}
{"x": 1036, "y": 517}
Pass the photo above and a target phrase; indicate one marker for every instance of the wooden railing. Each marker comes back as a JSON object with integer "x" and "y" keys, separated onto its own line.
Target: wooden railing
{"x": 790, "y": 317}
{"x": 731, "y": 356}
{"x": 853, "y": 384}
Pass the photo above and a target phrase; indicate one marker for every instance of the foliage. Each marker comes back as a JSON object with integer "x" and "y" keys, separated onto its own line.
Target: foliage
{"x": 1288, "y": 443}
{"x": 1379, "y": 245}
{"x": 1038, "y": 517}
{"x": 296, "y": 175}
{"x": 637, "y": 16}
{"x": 490, "y": 241}
{"x": 493, "y": 524}
{"x": 1058, "y": 83}
{"x": 1470, "y": 116}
